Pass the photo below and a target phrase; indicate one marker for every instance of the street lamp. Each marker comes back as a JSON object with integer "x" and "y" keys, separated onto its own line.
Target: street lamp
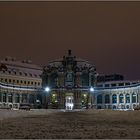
{"x": 47, "y": 89}
{"x": 91, "y": 89}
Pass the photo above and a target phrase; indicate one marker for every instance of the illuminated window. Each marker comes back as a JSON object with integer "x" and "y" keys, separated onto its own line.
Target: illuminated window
{"x": 134, "y": 98}
{"x": 127, "y": 98}
{"x": 114, "y": 99}
{"x": 121, "y": 98}
{"x": 10, "y": 98}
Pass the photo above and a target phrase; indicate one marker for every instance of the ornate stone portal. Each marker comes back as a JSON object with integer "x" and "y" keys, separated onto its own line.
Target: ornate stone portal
{"x": 69, "y": 79}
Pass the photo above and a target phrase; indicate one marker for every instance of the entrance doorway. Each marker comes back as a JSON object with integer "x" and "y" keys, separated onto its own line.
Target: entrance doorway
{"x": 69, "y": 103}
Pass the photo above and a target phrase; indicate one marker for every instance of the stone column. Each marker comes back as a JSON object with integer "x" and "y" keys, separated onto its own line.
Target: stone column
{"x": 118, "y": 100}
{"x": 124, "y": 97}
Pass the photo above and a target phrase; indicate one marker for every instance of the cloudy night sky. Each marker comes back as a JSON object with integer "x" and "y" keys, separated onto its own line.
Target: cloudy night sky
{"x": 107, "y": 34}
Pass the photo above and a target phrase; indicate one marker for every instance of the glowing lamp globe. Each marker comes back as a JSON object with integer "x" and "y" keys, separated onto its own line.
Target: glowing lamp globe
{"x": 47, "y": 89}
{"x": 91, "y": 89}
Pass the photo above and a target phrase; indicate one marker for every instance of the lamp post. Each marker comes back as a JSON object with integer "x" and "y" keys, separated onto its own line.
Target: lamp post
{"x": 47, "y": 90}
{"x": 91, "y": 91}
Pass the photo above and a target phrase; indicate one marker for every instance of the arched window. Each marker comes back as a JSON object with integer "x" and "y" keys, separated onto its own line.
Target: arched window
{"x": 107, "y": 99}
{"x": 114, "y": 98}
{"x": 127, "y": 98}
{"x": 134, "y": 98}
{"x": 121, "y": 98}
{"x": 99, "y": 99}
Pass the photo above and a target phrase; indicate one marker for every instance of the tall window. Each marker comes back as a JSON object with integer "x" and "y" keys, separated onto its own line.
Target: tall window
{"x": 99, "y": 99}
{"x": 4, "y": 97}
{"x": 24, "y": 98}
{"x": 17, "y": 98}
{"x": 121, "y": 98}
{"x": 10, "y": 97}
{"x": 107, "y": 99}
{"x": 114, "y": 98}
{"x": 134, "y": 98}
{"x": 127, "y": 98}
{"x": 31, "y": 98}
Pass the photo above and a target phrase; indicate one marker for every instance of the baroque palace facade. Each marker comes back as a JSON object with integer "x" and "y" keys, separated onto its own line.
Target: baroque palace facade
{"x": 74, "y": 83}
{"x": 67, "y": 83}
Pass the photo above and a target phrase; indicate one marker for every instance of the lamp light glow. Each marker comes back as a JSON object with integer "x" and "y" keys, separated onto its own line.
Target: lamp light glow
{"x": 47, "y": 89}
{"x": 91, "y": 89}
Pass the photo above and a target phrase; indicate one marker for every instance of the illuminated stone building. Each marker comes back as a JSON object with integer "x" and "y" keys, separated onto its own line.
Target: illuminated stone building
{"x": 69, "y": 80}
{"x": 73, "y": 83}
{"x": 67, "y": 83}
{"x": 20, "y": 82}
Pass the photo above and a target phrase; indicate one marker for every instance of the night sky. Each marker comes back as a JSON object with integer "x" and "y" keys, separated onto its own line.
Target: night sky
{"x": 107, "y": 34}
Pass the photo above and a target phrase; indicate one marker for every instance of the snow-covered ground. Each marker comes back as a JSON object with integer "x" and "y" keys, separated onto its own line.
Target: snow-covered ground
{"x": 19, "y": 113}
